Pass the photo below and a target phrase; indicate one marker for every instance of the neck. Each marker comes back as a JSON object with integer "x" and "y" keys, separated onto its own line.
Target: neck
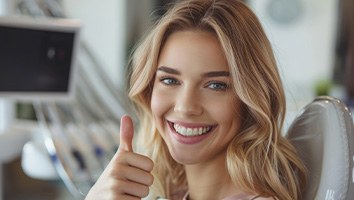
{"x": 209, "y": 180}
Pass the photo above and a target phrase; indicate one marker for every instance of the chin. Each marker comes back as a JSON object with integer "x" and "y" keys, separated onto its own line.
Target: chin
{"x": 183, "y": 157}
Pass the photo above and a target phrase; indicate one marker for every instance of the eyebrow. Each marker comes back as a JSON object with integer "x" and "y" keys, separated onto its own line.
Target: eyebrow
{"x": 216, "y": 73}
{"x": 208, "y": 74}
{"x": 168, "y": 70}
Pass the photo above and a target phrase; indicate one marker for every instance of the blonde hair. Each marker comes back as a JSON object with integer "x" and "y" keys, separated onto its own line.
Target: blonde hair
{"x": 259, "y": 159}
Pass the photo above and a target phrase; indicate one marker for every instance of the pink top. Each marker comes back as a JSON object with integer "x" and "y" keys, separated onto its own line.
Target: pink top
{"x": 238, "y": 197}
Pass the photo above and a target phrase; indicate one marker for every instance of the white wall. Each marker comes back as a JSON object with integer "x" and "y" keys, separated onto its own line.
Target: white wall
{"x": 304, "y": 49}
{"x": 2, "y": 7}
{"x": 107, "y": 27}
{"x": 101, "y": 30}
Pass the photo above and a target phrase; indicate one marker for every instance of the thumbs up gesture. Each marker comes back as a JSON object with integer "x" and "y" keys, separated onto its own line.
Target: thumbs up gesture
{"x": 128, "y": 175}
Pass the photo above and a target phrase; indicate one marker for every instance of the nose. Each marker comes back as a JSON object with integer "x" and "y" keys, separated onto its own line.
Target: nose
{"x": 188, "y": 102}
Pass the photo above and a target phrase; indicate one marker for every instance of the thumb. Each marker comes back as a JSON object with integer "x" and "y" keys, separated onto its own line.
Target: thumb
{"x": 126, "y": 134}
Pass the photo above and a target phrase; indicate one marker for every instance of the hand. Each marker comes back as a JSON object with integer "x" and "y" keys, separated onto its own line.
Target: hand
{"x": 128, "y": 175}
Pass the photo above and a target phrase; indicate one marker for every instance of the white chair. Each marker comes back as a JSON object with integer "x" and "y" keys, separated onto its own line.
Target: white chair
{"x": 323, "y": 134}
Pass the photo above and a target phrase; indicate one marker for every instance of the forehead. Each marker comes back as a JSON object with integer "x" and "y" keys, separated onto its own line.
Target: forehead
{"x": 193, "y": 48}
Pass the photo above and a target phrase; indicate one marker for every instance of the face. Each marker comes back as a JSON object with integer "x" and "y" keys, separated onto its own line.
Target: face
{"x": 193, "y": 105}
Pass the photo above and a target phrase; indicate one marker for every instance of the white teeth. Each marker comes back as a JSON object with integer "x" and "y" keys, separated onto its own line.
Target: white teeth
{"x": 191, "y": 131}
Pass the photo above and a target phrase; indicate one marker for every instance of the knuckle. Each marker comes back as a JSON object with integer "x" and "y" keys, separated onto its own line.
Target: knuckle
{"x": 149, "y": 164}
{"x": 116, "y": 171}
{"x": 150, "y": 180}
{"x": 118, "y": 185}
{"x": 119, "y": 157}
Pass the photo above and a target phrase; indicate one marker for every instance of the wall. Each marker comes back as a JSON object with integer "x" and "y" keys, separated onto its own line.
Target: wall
{"x": 101, "y": 32}
{"x": 107, "y": 29}
{"x": 304, "y": 49}
{"x": 2, "y": 7}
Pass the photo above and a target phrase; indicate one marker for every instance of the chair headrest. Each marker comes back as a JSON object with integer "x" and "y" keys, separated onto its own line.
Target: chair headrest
{"x": 323, "y": 135}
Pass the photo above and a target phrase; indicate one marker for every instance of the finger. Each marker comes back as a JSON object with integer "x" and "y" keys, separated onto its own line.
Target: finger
{"x": 136, "y": 175}
{"x": 135, "y": 160}
{"x": 134, "y": 189}
{"x": 126, "y": 134}
{"x": 128, "y": 197}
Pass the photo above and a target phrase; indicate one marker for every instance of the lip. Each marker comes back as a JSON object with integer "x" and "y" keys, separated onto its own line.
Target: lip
{"x": 189, "y": 140}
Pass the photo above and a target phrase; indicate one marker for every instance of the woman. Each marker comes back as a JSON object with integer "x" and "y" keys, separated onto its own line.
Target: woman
{"x": 211, "y": 108}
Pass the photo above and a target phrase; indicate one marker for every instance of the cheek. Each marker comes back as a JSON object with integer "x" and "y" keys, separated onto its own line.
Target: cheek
{"x": 160, "y": 103}
{"x": 228, "y": 113}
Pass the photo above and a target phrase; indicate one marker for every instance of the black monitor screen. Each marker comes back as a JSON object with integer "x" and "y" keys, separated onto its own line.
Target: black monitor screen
{"x": 35, "y": 60}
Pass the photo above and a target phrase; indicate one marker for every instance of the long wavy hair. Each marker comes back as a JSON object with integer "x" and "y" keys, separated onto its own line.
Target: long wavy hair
{"x": 259, "y": 158}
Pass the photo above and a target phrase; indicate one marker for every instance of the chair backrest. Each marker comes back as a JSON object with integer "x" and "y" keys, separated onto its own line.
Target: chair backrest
{"x": 323, "y": 135}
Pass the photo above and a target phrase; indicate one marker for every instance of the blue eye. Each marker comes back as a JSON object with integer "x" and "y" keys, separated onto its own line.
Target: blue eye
{"x": 169, "y": 81}
{"x": 217, "y": 86}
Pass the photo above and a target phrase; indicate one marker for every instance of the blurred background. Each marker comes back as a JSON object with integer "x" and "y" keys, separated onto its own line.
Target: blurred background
{"x": 312, "y": 41}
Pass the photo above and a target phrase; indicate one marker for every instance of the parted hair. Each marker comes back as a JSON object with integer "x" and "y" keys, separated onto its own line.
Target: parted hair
{"x": 259, "y": 159}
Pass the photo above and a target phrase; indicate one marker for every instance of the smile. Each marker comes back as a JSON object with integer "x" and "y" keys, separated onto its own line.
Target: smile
{"x": 190, "y": 131}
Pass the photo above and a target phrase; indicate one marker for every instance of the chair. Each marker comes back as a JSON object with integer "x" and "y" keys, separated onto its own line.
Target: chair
{"x": 323, "y": 135}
